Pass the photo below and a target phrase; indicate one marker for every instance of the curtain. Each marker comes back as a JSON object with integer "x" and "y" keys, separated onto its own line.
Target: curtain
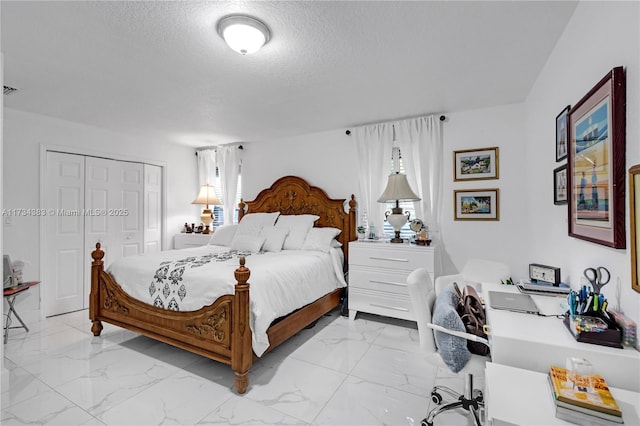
{"x": 373, "y": 157}
{"x": 229, "y": 159}
{"x": 420, "y": 143}
{"x": 206, "y": 167}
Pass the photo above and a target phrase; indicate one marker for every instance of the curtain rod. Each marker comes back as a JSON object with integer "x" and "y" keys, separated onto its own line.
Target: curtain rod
{"x": 442, "y": 118}
{"x": 200, "y": 149}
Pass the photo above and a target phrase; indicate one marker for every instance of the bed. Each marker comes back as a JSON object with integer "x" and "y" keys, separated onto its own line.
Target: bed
{"x": 220, "y": 331}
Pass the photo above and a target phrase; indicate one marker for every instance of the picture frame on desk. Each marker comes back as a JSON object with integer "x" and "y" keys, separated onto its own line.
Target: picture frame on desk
{"x": 596, "y": 163}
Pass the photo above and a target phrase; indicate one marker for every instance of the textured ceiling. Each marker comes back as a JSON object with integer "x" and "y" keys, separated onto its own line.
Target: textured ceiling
{"x": 158, "y": 70}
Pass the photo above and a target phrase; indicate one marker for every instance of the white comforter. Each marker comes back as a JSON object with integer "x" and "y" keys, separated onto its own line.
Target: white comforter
{"x": 188, "y": 279}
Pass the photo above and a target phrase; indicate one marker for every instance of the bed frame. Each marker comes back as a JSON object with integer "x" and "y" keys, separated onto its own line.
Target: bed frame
{"x": 221, "y": 330}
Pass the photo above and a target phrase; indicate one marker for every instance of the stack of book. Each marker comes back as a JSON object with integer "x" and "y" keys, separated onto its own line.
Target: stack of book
{"x": 581, "y": 405}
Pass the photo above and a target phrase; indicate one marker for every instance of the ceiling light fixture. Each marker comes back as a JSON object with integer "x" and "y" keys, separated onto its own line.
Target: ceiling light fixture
{"x": 243, "y": 34}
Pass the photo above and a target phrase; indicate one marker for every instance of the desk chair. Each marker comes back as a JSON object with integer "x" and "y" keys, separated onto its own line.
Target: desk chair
{"x": 474, "y": 272}
{"x": 423, "y": 298}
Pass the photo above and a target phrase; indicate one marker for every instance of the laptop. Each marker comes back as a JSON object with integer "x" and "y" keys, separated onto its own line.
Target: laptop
{"x": 516, "y": 302}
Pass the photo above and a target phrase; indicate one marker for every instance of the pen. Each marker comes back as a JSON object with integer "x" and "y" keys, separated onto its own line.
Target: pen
{"x": 596, "y": 299}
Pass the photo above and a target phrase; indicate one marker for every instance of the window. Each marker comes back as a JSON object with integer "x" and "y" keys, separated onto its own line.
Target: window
{"x": 218, "y": 211}
{"x": 407, "y": 206}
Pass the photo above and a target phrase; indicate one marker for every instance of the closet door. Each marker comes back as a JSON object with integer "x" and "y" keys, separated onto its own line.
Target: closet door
{"x": 152, "y": 208}
{"x": 113, "y": 200}
{"x": 64, "y": 264}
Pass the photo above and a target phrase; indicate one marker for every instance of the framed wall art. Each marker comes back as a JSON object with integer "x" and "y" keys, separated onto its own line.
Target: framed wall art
{"x": 475, "y": 164}
{"x": 477, "y": 204}
{"x": 560, "y": 185}
{"x": 596, "y": 163}
{"x": 562, "y": 134}
{"x": 634, "y": 223}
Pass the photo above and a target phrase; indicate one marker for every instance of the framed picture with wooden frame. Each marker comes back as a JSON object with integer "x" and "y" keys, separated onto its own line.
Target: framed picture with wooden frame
{"x": 634, "y": 224}
{"x": 475, "y": 164}
{"x": 560, "y": 185}
{"x": 476, "y": 204}
{"x": 596, "y": 163}
{"x": 562, "y": 134}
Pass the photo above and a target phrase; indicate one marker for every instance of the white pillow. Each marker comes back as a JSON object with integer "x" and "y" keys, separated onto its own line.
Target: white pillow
{"x": 320, "y": 239}
{"x": 336, "y": 244}
{"x": 223, "y": 235}
{"x": 274, "y": 238}
{"x": 298, "y": 226}
{"x": 252, "y": 243}
{"x": 252, "y": 223}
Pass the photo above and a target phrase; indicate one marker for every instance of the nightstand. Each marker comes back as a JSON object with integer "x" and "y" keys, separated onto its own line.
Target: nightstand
{"x": 378, "y": 277}
{"x": 185, "y": 240}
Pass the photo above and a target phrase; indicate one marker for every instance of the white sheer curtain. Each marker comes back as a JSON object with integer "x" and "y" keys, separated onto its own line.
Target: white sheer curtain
{"x": 373, "y": 157}
{"x": 229, "y": 159}
{"x": 206, "y": 167}
{"x": 420, "y": 142}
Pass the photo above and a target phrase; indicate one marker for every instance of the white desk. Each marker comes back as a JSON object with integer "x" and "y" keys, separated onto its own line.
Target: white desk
{"x": 534, "y": 343}
{"x": 515, "y": 396}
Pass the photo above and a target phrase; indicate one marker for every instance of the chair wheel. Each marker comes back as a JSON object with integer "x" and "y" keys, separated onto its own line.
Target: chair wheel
{"x": 424, "y": 422}
{"x": 436, "y": 398}
{"x": 478, "y": 395}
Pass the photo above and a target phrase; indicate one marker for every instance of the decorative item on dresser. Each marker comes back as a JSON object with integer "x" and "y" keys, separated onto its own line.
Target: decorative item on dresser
{"x": 222, "y": 330}
{"x": 378, "y": 275}
{"x": 186, "y": 240}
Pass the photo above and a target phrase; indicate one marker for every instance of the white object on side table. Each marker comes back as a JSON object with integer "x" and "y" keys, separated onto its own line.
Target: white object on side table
{"x": 185, "y": 240}
{"x": 378, "y": 277}
{"x": 536, "y": 342}
{"x": 514, "y": 396}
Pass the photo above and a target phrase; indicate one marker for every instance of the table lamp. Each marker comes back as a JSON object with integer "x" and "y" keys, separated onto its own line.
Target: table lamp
{"x": 206, "y": 196}
{"x": 397, "y": 190}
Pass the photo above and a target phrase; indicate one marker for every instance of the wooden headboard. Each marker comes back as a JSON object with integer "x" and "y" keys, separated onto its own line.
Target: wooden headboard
{"x": 293, "y": 195}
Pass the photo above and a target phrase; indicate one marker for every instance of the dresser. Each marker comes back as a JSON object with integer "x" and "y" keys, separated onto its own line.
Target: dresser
{"x": 184, "y": 240}
{"x": 378, "y": 277}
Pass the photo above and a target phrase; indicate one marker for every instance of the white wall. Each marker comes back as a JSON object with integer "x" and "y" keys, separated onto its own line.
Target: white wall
{"x": 324, "y": 159}
{"x": 600, "y": 36}
{"x": 502, "y": 240}
{"x": 24, "y": 133}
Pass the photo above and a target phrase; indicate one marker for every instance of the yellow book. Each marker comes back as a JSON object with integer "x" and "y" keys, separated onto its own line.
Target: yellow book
{"x": 565, "y": 395}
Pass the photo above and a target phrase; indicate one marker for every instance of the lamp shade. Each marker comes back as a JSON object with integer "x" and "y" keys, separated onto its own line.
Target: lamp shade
{"x": 243, "y": 34}
{"x": 206, "y": 196}
{"x": 398, "y": 189}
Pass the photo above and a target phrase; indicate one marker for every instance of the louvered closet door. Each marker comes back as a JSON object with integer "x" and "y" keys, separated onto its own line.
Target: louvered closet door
{"x": 113, "y": 199}
{"x": 63, "y": 277}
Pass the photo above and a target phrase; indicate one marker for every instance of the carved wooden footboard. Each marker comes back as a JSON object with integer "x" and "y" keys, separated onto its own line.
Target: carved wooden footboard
{"x": 221, "y": 330}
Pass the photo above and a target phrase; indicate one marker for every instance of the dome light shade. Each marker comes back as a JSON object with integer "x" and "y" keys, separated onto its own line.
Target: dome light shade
{"x": 243, "y": 34}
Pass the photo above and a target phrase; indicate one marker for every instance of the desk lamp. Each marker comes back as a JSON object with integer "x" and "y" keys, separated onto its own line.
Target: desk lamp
{"x": 397, "y": 190}
{"x": 206, "y": 196}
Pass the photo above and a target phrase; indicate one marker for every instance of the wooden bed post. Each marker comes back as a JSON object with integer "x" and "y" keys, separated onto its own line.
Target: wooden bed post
{"x": 97, "y": 267}
{"x": 241, "y": 342}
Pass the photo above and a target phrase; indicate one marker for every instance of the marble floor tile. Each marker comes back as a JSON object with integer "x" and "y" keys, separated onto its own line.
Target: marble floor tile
{"x": 335, "y": 372}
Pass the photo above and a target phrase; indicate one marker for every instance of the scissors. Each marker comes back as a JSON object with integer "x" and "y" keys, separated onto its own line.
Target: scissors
{"x": 596, "y": 277}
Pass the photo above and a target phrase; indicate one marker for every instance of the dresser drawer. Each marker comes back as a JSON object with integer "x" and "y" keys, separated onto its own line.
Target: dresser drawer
{"x": 380, "y": 280}
{"x": 390, "y": 282}
{"x": 380, "y": 303}
{"x": 407, "y": 259}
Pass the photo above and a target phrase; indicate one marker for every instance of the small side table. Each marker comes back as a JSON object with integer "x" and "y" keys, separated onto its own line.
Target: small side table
{"x": 10, "y": 295}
